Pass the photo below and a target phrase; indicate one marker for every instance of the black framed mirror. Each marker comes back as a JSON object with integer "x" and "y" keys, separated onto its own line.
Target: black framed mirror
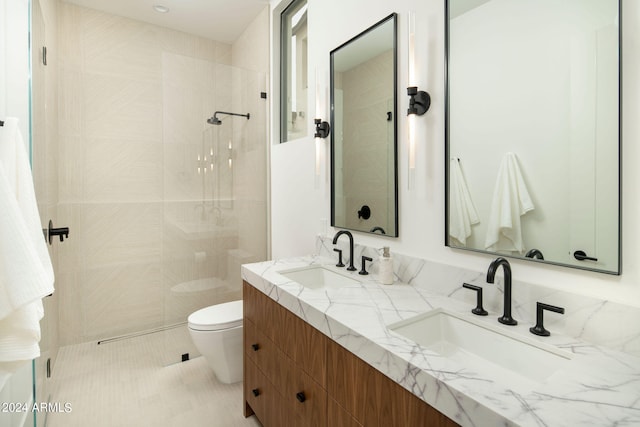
{"x": 533, "y": 130}
{"x": 364, "y": 154}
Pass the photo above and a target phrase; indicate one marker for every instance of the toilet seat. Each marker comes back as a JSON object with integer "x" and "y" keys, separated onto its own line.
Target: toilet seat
{"x": 217, "y": 317}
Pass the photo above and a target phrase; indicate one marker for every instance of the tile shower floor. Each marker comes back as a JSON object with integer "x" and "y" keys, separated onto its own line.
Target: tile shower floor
{"x": 124, "y": 383}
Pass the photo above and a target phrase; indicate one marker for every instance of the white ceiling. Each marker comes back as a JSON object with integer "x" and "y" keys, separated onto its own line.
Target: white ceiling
{"x": 221, "y": 20}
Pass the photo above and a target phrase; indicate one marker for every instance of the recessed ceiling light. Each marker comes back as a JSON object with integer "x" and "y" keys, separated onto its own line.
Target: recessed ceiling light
{"x": 161, "y": 9}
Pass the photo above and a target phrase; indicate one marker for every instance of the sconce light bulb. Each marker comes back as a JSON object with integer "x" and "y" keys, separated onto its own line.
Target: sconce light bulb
{"x": 412, "y": 141}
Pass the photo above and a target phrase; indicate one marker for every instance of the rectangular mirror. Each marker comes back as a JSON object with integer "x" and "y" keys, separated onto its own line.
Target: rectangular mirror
{"x": 364, "y": 177}
{"x": 533, "y": 130}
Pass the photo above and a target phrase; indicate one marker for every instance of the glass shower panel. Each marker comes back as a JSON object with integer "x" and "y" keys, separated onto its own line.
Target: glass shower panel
{"x": 205, "y": 168}
{"x": 44, "y": 167}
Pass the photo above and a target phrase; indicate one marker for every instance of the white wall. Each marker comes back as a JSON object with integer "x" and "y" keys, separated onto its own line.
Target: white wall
{"x": 298, "y": 204}
{"x": 14, "y": 62}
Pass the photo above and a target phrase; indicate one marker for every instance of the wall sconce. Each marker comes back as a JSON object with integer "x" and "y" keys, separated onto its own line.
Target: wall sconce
{"x": 419, "y": 101}
{"x": 322, "y": 128}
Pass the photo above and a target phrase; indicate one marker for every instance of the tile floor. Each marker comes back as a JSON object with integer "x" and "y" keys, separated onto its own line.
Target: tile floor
{"x": 125, "y": 383}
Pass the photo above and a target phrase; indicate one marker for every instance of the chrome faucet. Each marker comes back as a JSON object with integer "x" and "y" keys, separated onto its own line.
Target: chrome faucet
{"x": 491, "y": 274}
{"x": 350, "y": 236}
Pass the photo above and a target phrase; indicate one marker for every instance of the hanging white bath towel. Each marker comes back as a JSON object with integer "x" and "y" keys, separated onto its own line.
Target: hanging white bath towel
{"x": 462, "y": 211}
{"x": 26, "y": 274}
{"x": 511, "y": 200}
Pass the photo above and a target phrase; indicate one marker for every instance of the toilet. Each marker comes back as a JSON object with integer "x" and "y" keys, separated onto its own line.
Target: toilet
{"x": 216, "y": 331}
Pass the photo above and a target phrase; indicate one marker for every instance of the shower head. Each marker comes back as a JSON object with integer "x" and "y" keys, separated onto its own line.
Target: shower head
{"x": 214, "y": 120}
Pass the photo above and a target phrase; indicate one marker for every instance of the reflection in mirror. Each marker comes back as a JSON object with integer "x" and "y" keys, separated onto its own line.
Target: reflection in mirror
{"x": 533, "y": 130}
{"x": 363, "y": 131}
{"x": 293, "y": 71}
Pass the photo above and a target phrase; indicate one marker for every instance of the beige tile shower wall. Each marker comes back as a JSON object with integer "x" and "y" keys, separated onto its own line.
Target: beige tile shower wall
{"x": 111, "y": 179}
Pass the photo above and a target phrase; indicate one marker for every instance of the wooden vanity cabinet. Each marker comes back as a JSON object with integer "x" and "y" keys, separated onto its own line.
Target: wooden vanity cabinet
{"x": 295, "y": 375}
{"x": 285, "y": 358}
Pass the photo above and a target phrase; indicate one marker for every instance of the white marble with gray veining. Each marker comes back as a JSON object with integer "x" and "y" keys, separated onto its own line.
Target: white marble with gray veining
{"x": 599, "y": 387}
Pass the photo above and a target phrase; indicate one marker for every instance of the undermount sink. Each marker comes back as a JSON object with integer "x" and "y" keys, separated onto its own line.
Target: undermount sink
{"x": 319, "y": 277}
{"x": 481, "y": 347}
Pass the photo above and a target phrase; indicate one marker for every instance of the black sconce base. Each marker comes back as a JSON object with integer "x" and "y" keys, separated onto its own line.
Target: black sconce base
{"x": 419, "y": 101}
{"x": 322, "y": 128}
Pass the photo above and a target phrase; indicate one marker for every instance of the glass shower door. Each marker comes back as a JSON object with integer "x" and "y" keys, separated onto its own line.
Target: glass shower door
{"x": 209, "y": 185}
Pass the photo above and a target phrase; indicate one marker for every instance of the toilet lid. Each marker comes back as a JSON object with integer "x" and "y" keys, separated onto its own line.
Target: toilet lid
{"x": 216, "y": 317}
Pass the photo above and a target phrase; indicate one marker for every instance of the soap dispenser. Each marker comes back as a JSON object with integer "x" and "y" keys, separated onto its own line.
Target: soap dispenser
{"x": 385, "y": 268}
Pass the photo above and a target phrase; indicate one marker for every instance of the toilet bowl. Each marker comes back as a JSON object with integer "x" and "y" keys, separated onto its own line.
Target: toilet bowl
{"x": 216, "y": 332}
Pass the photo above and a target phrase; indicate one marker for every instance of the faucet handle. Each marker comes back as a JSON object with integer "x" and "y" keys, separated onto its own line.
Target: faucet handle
{"x": 479, "y": 310}
{"x": 539, "y": 328}
{"x": 340, "y": 263}
{"x": 364, "y": 271}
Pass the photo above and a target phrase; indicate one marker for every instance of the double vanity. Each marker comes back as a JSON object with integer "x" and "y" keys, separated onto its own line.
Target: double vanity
{"x": 436, "y": 361}
{"x": 330, "y": 345}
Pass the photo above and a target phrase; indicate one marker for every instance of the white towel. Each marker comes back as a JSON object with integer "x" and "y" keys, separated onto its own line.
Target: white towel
{"x": 511, "y": 200}
{"x": 462, "y": 212}
{"x": 26, "y": 273}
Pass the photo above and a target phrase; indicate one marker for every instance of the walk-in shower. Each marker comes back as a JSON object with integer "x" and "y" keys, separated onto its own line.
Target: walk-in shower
{"x": 214, "y": 120}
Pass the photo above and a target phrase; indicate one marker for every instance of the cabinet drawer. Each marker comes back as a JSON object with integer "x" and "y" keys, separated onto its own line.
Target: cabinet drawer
{"x": 256, "y": 346}
{"x": 270, "y": 318}
{"x": 251, "y": 303}
{"x": 307, "y": 399}
{"x": 294, "y": 337}
{"x": 263, "y": 398}
{"x": 256, "y": 389}
{"x": 272, "y": 362}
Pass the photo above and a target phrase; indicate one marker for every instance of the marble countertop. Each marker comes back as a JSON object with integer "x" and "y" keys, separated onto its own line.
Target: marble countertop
{"x": 597, "y": 387}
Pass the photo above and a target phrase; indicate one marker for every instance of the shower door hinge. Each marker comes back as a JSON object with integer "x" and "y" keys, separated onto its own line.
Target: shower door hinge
{"x": 44, "y": 55}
